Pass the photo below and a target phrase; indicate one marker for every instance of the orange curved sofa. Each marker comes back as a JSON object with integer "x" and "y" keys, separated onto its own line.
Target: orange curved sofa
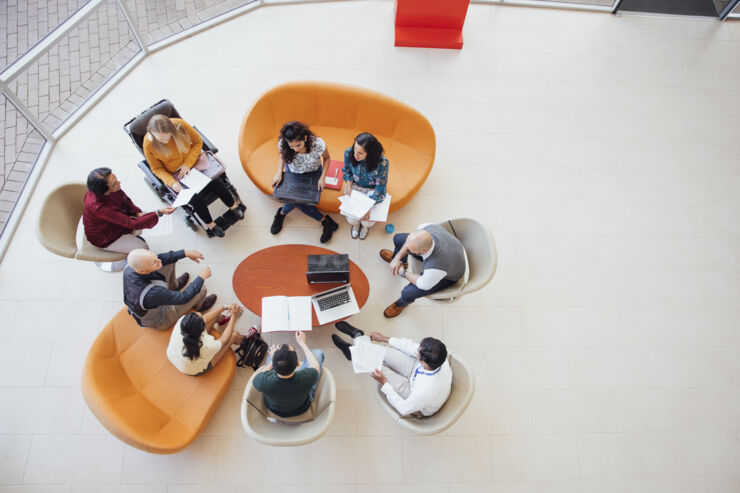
{"x": 140, "y": 397}
{"x": 337, "y": 113}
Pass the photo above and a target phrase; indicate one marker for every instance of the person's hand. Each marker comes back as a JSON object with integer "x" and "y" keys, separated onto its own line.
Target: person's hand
{"x": 176, "y": 187}
{"x": 236, "y": 310}
{"x": 347, "y": 188}
{"x": 378, "y": 337}
{"x": 378, "y": 377}
{"x": 167, "y": 210}
{"x": 194, "y": 255}
{"x": 321, "y": 183}
{"x": 182, "y": 172}
{"x": 277, "y": 179}
{"x": 366, "y": 217}
{"x": 205, "y": 273}
{"x": 396, "y": 266}
{"x": 300, "y": 337}
{"x": 271, "y": 351}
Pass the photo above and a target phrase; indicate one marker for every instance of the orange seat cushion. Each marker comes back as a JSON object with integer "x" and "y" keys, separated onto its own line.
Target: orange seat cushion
{"x": 337, "y": 113}
{"x": 140, "y": 397}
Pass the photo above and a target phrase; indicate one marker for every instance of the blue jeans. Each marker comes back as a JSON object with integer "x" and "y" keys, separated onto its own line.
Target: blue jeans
{"x": 411, "y": 293}
{"x": 319, "y": 356}
{"x": 307, "y": 209}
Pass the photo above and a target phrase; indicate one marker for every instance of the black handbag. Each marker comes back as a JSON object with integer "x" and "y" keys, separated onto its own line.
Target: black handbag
{"x": 251, "y": 352}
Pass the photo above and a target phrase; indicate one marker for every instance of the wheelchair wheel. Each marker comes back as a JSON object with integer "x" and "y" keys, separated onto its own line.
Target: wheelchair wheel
{"x": 154, "y": 189}
{"x": 191, "y": 224}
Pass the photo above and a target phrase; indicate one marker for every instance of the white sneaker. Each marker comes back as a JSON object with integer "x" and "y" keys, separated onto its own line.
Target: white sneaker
{"x": 364, "y": 232}
{"x": 355, "y": 232}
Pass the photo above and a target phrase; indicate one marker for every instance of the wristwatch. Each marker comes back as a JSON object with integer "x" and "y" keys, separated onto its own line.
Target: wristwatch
{"x": 159, "y": 213}
{"x": 402, "y": 272}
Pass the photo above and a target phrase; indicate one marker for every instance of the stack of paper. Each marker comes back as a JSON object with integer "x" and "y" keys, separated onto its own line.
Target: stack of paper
{"x": 193, "y": 183}
{"x": 286, "y": 313}
{"x": 366, "y": 356}
{"x": 358, "y": 204}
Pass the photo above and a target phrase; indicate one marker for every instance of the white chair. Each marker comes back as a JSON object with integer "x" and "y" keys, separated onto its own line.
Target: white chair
{"x": 268, "y": 428}
{"x": 57, "y": 224}
{"x": 461, "y": 393}
{"x": 481, "y": 258}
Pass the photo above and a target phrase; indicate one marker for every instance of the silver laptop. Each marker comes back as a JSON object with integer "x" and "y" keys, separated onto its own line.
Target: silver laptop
{"x": 334, "y": 304}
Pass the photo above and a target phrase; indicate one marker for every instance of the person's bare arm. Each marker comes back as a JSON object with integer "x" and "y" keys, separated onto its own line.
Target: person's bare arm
{"x": 300, "y": 338}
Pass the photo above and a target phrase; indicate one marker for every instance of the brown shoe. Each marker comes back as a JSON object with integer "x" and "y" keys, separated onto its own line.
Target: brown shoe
{"x": 386, "y": 255}
{"x": 393, "y": 310}
{"x": 208, "y": 302}
{"x": 182, "y": 281}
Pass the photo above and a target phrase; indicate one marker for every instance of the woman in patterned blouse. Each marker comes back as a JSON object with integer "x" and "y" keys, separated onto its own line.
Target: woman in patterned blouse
{"x": 365, "y": 170}
{"x": 302, "y": 152}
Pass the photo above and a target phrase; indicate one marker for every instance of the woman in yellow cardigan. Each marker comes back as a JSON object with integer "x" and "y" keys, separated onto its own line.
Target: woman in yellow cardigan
{"x": 172, "y": 148}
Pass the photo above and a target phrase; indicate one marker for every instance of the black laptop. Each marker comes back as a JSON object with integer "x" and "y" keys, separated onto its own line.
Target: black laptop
{"x": 328, "y": 268}
{"x": 298, "y": 188}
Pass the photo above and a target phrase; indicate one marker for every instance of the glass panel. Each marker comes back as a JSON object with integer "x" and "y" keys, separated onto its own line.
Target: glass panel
{"x": 159, "y": 20}
{"x": 20, "y": 145}
{"x": 24, "y": 23}
{"x": 56, "y": 84}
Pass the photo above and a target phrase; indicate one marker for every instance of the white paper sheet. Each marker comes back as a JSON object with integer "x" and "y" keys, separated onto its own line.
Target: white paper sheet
{"x": 282, "y": 313}
{"x": 162, "y": 228}
{"x": 183, "y": 197}
{"x": 358, "y": 204}
{"x": 366, "y": 356}
{"x": 355, "y": 205}
{"x": 195, "y": 180}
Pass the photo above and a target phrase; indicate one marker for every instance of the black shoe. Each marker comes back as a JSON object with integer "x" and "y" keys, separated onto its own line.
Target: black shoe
{"x": 182, "y": 281}
{"x": 215, "y": 231}
{"x": 277, "y": 223}
{"x": 348, "y": 329}
{"x": 237, "y": 213}
{"x": 342, "y": 345}
{"x": 208, "y": 302}
{"x": 329, "y": 227}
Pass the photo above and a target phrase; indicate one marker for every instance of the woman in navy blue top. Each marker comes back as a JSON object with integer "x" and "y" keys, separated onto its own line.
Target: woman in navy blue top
{"x": 365, "y": 171}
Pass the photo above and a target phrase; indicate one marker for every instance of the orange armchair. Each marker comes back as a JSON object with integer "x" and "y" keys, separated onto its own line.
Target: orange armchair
{"x": 140, "y": 397}
{"x": 337, "y": 113}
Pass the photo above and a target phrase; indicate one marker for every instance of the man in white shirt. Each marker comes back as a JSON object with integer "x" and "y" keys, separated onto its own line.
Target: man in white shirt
{"x": 416, "y": 377}
{"x": 442, "y": 256}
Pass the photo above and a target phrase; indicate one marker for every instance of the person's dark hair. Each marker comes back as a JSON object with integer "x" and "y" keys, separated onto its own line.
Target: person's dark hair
{"x": 97, "y": 180}
{"x": 294, "y": 131}
{"x": 191, "y": 328}
{"x": 433, "y": 352}
{"x": 373, "y": 148}
{"x": 285, "y": 360}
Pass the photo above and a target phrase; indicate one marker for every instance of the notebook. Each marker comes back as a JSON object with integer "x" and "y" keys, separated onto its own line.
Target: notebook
{"x": 334, "y": 176}
{"x": 284, "y": 313}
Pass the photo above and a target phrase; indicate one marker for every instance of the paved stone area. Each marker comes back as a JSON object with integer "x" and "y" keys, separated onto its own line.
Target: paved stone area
{"x": 73, "y": 69}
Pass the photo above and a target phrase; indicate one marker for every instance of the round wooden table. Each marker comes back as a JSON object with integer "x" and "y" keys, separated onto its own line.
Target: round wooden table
{"x": 281, "y": 271}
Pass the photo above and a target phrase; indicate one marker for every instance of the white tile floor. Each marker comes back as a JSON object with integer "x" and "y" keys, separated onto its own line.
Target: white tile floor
{"x": 603, "y": 153}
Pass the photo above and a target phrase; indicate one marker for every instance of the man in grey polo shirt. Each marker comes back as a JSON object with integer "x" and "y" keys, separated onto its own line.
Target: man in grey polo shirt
{"x": 442, "y": 256}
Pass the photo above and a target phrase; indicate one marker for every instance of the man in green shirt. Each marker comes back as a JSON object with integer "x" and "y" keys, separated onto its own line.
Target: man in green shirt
{"x": 290, "y": 391}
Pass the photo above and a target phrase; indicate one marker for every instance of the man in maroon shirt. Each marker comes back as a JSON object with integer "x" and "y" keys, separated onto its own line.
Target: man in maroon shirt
{"x": 111, "y": 220}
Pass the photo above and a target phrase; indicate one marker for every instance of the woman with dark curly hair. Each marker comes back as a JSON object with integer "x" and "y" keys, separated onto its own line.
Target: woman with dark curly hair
{"x": 365, "y": 170}
{"x": 302, "y": 152}
{"x": 192, "y": 349}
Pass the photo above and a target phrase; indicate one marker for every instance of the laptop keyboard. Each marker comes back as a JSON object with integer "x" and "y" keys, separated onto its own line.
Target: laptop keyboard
{"x": 333, "y": 301}
{"x": 298, "y": 191}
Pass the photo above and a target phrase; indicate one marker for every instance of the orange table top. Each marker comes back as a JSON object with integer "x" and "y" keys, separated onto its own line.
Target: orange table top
{"x": 281, "y": 271}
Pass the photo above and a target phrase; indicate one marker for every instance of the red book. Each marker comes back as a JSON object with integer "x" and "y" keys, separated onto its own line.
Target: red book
{"x": 334, "y": 176}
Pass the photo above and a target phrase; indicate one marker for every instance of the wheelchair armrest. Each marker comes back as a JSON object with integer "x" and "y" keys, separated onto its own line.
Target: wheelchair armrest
{"x": 144, "y": 166}
{"x": 207, "y": 144}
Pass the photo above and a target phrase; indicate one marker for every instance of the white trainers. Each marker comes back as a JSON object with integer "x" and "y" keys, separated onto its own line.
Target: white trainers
{"x": 355, "y": 232}
{"x": 364, "y": 232}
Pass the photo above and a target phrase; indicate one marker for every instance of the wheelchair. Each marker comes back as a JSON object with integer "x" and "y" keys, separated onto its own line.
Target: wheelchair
{"x": 136, "y": 130}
